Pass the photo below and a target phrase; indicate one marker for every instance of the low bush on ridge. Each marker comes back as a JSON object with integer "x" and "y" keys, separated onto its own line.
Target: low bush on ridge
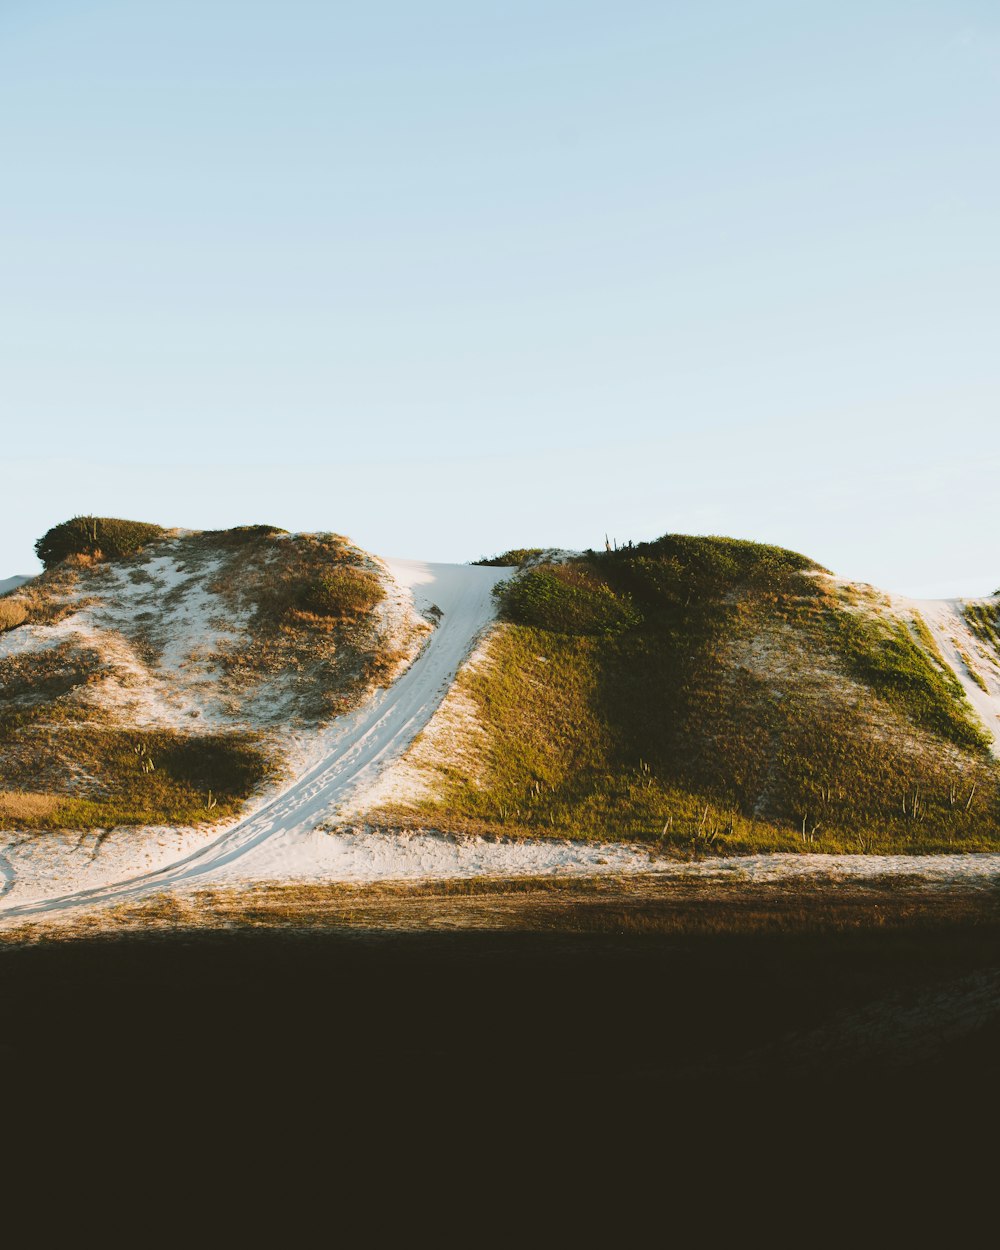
{"x": 567, "y": 599}
{"x": 96, "y": 537}
{"x": 510, "y": 559}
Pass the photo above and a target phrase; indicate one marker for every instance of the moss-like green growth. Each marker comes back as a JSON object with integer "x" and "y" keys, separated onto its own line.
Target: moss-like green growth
{"x": 927, "y": 643}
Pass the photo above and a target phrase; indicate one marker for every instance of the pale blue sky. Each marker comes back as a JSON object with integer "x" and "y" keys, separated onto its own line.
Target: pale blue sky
{"x": 455, "y": 276}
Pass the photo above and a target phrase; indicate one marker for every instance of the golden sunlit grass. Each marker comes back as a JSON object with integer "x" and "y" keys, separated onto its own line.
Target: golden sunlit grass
{"x": 12, "y": 613}
{"x": 24, "y": 807}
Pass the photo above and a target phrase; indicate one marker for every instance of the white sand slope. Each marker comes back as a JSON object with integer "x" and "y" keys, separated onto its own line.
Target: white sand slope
{"x": 946, "y": 621}
{"x": 281, "y": 836}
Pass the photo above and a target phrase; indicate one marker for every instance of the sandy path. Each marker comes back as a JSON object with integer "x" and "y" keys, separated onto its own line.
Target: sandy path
{"x": 355, "y": 751}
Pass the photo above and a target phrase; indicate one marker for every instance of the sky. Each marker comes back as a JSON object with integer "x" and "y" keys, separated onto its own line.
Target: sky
{"x": 464, "y": 275}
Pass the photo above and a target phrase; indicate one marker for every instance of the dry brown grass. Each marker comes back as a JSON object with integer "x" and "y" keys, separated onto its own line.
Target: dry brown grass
{"x": 34, "y": 678}
{"x": 623, "y": 906}
{"x": 25, "y": 807}
{"x": 46, "y": 598}
{"x": 12, "y": 613}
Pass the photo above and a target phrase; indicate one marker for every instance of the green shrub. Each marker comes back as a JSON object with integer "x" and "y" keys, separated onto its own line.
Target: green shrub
{"x": 684, "y": 567}
{"x": 341, "y": 592}
{"x": 109, "y": 537}
{"x": 567, "y": 599}
{"x": 510, "y": 559}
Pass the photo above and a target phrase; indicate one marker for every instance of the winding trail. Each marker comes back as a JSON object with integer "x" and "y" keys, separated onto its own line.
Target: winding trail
{"x": 357, "y": 748}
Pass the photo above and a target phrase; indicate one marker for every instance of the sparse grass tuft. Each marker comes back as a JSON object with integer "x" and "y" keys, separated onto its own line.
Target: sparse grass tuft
{"x": 971, "y": 669}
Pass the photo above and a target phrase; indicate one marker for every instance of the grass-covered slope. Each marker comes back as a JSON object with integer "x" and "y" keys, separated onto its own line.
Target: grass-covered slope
{"x": 713, "y": 695}
{"x": 162, "y": 685}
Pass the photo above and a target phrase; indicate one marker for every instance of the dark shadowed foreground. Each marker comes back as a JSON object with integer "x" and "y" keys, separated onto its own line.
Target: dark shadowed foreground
{"x": 478, "y": 1009}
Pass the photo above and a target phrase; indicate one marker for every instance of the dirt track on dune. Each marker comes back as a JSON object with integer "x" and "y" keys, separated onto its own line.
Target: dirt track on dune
{"x": 358, "y": 747}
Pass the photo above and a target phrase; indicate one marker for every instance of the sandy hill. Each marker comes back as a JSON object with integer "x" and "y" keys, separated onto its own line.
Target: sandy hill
{"x": 712, "y": 695}
{"x": 170, "y": 682}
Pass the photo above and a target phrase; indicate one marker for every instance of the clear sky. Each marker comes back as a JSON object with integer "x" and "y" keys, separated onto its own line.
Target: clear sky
{"x": 461, "y": 275}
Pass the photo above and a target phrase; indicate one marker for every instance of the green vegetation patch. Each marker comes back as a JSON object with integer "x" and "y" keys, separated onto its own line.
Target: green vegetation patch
{"x": 926, "y": 640}
{"x": 341, "y": 592}
{"x": 885, "y": 656}
{"x": 971, "y": 669}
{"x": 567, "y": 599}
{"x": 106, "y": 538}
